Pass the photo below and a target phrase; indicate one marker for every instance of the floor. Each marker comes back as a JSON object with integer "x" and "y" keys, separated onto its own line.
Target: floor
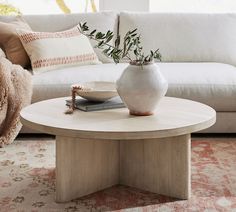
{"x": 27, "y": 180}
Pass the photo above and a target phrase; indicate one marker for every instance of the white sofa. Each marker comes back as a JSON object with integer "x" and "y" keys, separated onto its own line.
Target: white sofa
{"x": 199, "y": 56}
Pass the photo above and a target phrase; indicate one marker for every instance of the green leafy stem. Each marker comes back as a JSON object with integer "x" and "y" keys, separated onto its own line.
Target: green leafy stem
{"x": 131, "y": 44}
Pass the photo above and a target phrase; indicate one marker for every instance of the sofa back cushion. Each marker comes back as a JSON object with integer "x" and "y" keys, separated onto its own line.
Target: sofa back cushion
{"x": 185, "y": 37}
{"x": 101, "y": 21}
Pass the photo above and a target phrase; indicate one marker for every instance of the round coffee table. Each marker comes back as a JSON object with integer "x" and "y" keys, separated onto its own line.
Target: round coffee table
{"x": 96, "y": 150}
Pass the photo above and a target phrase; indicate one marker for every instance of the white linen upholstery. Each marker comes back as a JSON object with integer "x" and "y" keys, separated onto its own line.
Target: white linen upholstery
{"x": 211, "y": 83}
{"x": 225, "y": 123}
{"x": 203, "y": 82}
{"x": 57, "y": 83}
{"x": 102, "y": 21}
{"x": 184, "y": 37}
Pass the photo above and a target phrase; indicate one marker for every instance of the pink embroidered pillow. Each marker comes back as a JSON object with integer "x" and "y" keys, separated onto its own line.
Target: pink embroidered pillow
{"x": 54, "y": 50}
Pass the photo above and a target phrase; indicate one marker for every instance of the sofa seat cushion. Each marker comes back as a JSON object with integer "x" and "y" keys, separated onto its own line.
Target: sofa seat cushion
{"x": 211, "y": 83}
{"x": 57, "y": 83}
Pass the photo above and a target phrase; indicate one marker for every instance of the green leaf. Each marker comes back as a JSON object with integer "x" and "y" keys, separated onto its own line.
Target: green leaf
{"x": 129, "y": 47}
{"x": 100, "y": 43}
{"x": 93, "y": 32}
{"x": 133, "y": 35}
{"x": 99, "y": 35}
{"x": 109, "y": 39}
{"x": 131, "y": 32}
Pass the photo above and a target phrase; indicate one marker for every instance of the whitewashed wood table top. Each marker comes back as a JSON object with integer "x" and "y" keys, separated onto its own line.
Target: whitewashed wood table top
{"x": 173, "y": 116}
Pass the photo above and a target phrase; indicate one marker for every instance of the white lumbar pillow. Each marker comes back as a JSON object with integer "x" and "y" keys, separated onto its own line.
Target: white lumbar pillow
{"x": 54, "y": 50}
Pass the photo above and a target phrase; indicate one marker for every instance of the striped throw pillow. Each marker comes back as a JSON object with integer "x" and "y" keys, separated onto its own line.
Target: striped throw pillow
{"x": 54, "y": 50}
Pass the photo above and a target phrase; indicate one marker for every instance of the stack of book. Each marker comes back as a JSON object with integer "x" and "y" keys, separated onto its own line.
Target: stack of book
{"x": 85, "y": 105}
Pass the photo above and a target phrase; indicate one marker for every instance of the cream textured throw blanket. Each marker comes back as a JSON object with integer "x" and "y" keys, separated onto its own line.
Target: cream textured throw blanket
{"x": 15, "y": 93}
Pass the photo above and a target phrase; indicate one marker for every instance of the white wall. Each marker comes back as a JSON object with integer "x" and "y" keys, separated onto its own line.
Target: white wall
{"x": 169, "y": 5}
{"x": 193, "y": 5}
{"x": 121, "y": 5}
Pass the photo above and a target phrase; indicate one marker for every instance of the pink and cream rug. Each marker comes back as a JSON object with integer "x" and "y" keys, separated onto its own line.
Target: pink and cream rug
{"x": 27, "y": 181}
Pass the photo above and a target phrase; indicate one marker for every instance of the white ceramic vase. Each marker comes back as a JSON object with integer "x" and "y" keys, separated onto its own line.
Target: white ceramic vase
{"x": 141, "y": 88}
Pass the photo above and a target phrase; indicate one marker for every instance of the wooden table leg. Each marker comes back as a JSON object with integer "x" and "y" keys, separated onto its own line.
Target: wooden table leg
{"x": 85, "y": 166}
{"x": 157, "y": 165}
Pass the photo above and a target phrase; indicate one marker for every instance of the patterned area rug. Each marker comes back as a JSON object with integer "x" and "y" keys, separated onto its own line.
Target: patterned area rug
{"x": 27, "y": 181}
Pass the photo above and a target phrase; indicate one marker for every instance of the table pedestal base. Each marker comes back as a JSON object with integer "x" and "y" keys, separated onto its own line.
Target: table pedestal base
{"x": 158, "y": 165}
{"x": 85, "y": 166}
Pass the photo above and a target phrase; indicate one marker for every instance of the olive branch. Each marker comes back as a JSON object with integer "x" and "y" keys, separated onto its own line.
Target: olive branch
{"x": 131, "y": 43}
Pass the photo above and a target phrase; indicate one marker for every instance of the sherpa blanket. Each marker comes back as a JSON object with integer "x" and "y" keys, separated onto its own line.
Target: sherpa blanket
{"x": 15, "y": 93}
